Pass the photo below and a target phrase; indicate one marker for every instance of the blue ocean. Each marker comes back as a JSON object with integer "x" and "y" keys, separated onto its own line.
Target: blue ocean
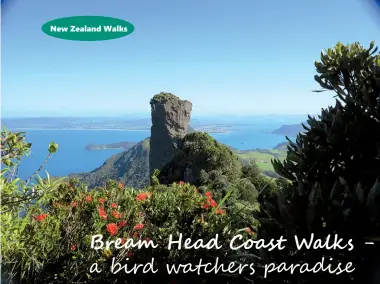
{"x": 73, "y": 158}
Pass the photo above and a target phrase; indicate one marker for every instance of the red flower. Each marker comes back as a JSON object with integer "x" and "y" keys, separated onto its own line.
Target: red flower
{"x": 102, "y": 213}
{"x": 120, "y": 185}
{"x": 73, "y": 247}
{"x": 74, "y": 204}
{"x": 112, "y": 229}
{"x": 114, "y": 205}
{"x": 141, "y": 196}
{"x": 220, "y": 211}
{"x": 213, "y": 203}
{"x": 41, "y": 217}
{"x": 249, "y": 231}
{"x": 116, "y": 214}
{"x": 210, "y": 202}
{"x": 101, "y": 200}
{"x": 205, "y": 206}
{"x": 181, "y": 183}
{"x": 139, "y": 226}
{"x": 88, "y": 199}
{"x": 122, "y": 241}
{"x": 122, "y": 224}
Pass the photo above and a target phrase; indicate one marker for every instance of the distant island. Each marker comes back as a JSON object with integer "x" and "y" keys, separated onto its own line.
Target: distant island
{"x": 211, "y": 129}
{"x": 119, "y": 145}
{"x": 289, "y": 130}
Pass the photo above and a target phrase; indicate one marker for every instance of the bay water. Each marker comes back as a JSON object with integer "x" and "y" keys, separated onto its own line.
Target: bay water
{"x": 72, "y": 157}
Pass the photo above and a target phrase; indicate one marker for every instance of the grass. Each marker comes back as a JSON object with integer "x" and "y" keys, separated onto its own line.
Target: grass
{"x": 263, "y": 159}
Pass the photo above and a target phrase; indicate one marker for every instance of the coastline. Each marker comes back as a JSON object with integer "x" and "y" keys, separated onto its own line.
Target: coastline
{"x": 103, "y": 149}
{"x": 78, "y": 129}
{"x": 105, "y": 129}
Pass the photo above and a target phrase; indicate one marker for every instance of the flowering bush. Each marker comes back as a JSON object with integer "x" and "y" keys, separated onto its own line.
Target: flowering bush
{"x": 117, "y": 212}
{"x": 47, "y": 233}
{"x": 21, "y": 199}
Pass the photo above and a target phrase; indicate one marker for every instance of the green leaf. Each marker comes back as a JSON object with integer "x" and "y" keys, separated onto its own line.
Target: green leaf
{"x": 373, "y": 196}
{"x": 7, "y": 162}
{"x": 372, "y": 44}
{"x": 360, "y": 193}
{"x": 315, "y": 194}
{"x": 228, "y": 194}
{"x": 377, "y": 61}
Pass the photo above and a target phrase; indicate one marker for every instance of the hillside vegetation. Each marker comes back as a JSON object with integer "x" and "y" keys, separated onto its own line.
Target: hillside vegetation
{"x": 200, "y": 152}
{"x": 130, "y": 167}
{"x": 263, "y": 158}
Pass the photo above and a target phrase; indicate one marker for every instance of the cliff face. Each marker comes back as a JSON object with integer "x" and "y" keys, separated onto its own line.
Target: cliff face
{"x": 170, "y": 119}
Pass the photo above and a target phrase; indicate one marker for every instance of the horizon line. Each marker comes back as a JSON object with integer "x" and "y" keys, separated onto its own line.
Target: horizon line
{"x": 148, "y": 115}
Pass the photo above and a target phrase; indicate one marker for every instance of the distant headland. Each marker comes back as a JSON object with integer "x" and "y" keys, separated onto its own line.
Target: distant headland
{"x": 125, "y": 145}
{"x": 289, "y": 130}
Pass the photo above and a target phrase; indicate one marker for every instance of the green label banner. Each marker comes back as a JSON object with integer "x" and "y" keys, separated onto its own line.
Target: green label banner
{"x": 88, "y": 28}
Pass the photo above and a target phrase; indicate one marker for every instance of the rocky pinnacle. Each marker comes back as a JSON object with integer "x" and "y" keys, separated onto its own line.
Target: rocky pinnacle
{"x": 170, "y": 119}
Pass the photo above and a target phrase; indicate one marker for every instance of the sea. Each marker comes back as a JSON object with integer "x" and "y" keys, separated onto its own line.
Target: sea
{"x": 72, "y": 157}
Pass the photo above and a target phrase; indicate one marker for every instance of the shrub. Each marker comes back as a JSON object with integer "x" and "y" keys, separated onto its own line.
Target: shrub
{"x": 200, "y": 152}
{"x": 117, "y": 212}
{"x": 51, "y": 240}
{"x": 20, "y": 198}
{"x": 334, "y": 169}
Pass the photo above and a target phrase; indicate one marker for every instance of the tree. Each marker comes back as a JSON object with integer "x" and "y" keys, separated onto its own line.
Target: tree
{"x": 199, "y": 152}
{"x": 334, "y": 168}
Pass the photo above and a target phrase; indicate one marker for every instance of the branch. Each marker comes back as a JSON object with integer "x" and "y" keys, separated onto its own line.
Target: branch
{"x": 39, "y": 169}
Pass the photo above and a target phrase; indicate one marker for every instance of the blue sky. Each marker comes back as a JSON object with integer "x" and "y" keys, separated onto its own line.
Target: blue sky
{"x": 244, "y": 57}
